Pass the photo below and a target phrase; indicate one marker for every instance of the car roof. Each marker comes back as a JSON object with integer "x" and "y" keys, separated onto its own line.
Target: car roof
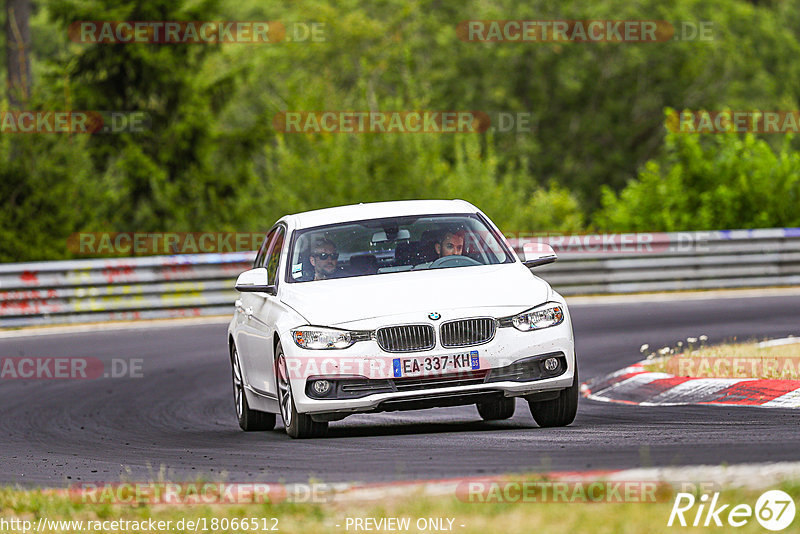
{"x": 376, "y": 210}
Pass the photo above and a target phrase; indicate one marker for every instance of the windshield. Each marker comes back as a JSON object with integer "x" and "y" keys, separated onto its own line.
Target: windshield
{"x": 394, "y": 244}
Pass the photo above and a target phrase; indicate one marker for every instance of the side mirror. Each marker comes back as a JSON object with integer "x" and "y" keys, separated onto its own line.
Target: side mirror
{"x": 254, "y": 281}
{"x": 537, "y": 254}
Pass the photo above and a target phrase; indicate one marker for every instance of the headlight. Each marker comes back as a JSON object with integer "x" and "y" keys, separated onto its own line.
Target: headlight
{"x": 549, "y": 314}
{"x": 315, "y": 337}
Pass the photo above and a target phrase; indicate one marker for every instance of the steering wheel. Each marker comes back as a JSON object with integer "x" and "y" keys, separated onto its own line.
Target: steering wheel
{"x": 453, "y": 261}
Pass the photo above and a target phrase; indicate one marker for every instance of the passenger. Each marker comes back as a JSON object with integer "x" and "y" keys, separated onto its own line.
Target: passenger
{"x": 451, "y": 244}
{"x": 325, "y": 259}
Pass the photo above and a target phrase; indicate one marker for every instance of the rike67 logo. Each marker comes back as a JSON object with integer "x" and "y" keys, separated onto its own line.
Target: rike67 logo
{"x": 774, "y": 510}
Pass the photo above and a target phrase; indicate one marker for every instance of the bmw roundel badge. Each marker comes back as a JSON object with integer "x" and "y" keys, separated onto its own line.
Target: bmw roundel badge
{"x": 434, "y": 316}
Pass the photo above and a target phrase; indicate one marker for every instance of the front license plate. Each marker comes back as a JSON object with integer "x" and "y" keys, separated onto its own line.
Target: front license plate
{"x": 436, "y": 365}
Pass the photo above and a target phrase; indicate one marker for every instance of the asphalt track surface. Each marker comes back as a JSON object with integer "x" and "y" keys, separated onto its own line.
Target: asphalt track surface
{"x": 178, "y": 423}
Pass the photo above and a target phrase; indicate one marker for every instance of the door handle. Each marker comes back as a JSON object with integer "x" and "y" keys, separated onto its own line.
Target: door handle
{"x": 248, "y": 312}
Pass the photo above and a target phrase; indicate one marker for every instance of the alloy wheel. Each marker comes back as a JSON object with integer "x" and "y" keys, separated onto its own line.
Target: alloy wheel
{"x": 284, "y": 391}
{"x": 238, "y": 385}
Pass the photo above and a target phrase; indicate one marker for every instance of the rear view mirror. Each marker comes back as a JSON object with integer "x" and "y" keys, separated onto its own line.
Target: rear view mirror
{"x": 536, "y": 254}
{"x": 381, "y": 237}
{"x": 255, "y": 281}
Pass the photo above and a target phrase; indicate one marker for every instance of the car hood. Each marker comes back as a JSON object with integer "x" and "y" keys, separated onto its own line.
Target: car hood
{"x": 343, "y": 300}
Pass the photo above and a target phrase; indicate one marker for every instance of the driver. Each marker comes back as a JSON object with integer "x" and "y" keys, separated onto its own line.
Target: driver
{"x": 451, "y": 244}
{"x": 325, "y": 259}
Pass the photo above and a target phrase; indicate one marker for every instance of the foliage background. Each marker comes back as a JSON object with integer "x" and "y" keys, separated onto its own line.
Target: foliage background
{"x": 598, "y": 158}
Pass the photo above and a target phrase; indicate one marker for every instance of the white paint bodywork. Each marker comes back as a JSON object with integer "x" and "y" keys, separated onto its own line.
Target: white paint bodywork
{"x": 370, "y": 302}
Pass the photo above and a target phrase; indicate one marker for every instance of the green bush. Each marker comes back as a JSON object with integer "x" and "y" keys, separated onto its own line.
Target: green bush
{"x": 321, "y": 170}
{"x": 703, "y": 182}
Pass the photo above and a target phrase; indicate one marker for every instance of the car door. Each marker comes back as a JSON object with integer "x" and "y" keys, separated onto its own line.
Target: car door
{"x": 261, "y": 314}
{"x": 246, "y": 333}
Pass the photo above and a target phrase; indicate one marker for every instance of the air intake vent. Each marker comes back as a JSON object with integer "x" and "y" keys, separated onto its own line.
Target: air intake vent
{"x": 465, "y": 332}
{"x": 406, "y": 338}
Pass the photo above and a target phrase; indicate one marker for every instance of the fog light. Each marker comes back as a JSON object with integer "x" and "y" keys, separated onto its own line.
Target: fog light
{"x": 551, "y": 364}
{"x": 321, "y": 387}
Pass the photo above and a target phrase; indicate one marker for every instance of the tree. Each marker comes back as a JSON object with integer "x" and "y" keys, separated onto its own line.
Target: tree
{"x": 18, "y": 47}
{"x": 161, "y": 178}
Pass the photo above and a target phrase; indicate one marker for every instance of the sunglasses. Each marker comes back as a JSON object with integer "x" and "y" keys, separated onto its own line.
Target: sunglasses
{"x": 326, "y": 255}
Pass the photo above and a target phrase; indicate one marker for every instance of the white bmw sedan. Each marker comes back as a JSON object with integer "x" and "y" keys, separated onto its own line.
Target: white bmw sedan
{"x": 397, "y": 306}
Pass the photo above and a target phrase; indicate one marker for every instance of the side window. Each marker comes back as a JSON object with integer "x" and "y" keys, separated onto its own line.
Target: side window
{"x": 274, "y": 256}
{"x": 262, "y": 252}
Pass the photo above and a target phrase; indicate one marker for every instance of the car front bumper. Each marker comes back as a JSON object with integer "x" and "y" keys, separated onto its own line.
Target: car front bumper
{"x": 365, "y": 362}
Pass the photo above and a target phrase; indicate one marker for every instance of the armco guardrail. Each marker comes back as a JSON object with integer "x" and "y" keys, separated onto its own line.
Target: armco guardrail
{"x": 151, "y": 287}
{"x": 202, "y": 284}
{"x": 646, "y": 262}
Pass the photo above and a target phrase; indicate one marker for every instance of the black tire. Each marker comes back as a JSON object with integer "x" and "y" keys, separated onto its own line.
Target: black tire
{"x": 560, "y": 411}
{"x": 502, "y": 408}
{"x": 299, "y": 425}
{"x": 249, "y": 420}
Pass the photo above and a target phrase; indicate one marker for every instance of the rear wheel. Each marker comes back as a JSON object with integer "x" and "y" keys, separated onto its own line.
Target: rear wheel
{"x": 249, "y": 420}
{"x": 559, "y": 411}
{"x": 298, "y": 425}
{"x": 498, "y": 409}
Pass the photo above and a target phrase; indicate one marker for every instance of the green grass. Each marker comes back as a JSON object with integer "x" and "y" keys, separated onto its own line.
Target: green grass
{"x": 732, "y": 360}
{"x": 600, "y": 517}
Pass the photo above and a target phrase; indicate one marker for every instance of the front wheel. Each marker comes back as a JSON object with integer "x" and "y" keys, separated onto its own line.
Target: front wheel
{"x": 559, "y": 411}
{"x": 249, "y": 420}
{"x": 298, "y": 425}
